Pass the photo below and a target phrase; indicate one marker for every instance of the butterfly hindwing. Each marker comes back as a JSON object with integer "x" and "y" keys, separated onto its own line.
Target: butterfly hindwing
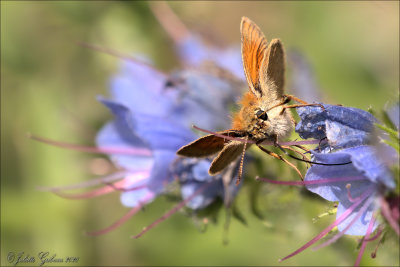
{"x": 229, "y": 153}
{"x": 273, "y": 70}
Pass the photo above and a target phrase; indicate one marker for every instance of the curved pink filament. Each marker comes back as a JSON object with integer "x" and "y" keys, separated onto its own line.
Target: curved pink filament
{"x": 387, "y": 214}
{"x": 118, "y": 223}
{"x": 94, "y": 193}
{"x": 378, "y": 234}
{"x": 101, "y": 150}
{"x": 341, "y": 218}
{"x": 349, "y": 196}
{"x": 364, "y": 243}
{"x": 92, "y": 182}
{"x": 293, "y": 143}
{"x": 121, "y": 56}
{"x": 172, "y": 211}
{"x": 337, "y": 236}
{"x": 321, "y": 181}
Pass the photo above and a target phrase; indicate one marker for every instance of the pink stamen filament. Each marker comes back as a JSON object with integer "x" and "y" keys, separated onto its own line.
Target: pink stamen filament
{"x": 387, "y": 214}
{"x": 378, "y": 234}
{"x": 373, "y": 253}
{"x": 351, "y": 199}
{"x": 101, "y": 150}
{"x": 93, "y": 182}
{"x": 321, "y": 181}
{"x": 169, "y": 21}
{"x": 121, "y": 189}
{"x": 293, "y": 143}
{"x": 94, "y": 193}
{"x": 364, "y": 243}
{"x": 337, "y": 236}
{"x": 123, "y": 219}
{"x": 172, "y": 211}
{"x": 121, "y": 56}
{"x": 341, "y": 218}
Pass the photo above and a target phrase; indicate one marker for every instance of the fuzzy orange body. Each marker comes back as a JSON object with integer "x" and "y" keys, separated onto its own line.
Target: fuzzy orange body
{"x": 279, "y": 123}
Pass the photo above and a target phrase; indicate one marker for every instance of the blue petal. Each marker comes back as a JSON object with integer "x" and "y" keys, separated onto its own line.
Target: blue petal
{"x": 360, "y": 226}
{"x": 205, "y": 94}
{"x": 192, "y": 170}
{"x": 343, "y": 126}
{"x": 365, "y": 159}
{"x": 205, "y": 198}
{"x": 138, "y": 197}
{"x": 364, "y": 164}
{"x": 334, "y": 191}
{"x": 110, "y": 136}
{"x": 155, "y": 132}
{"x": 394, "y": 114}
{"x": 161, "y": 174}
{"x": 141, "y": 89}
{"x": 193, "y": 52}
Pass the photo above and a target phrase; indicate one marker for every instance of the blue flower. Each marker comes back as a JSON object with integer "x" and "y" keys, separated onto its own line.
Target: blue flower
{"x": 350, "y": 181}
{"x": 194, "y": 52}
{"x": 342, "y": 126}
{"x": 193, "y": 174}
{"x": 359, "y": 188}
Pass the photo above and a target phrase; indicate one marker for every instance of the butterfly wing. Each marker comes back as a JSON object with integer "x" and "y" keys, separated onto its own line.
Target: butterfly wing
{"x": 205, "y": 146}
{"x": 229, "y": 153}
{"x": 254, "y": 46}
{"x": 273, "y": 70}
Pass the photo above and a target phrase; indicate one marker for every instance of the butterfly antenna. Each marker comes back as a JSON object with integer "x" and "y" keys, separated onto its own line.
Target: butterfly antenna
{"x": 241, "y": 162}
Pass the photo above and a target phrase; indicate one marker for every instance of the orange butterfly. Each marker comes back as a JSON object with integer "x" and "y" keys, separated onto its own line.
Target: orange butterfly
{"x": 263, "y": 115}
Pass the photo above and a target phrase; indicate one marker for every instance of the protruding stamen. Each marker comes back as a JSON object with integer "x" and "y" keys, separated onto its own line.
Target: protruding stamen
{"x": 122, "y": 189}
{"x": 118, "y": 223}
{"x": 321, "y": 181}
{"x": 94, "y": 193}
{"x": 373, "y": 253}
{"x": 351, "y": 199}
{"x": 93, "y": 182}
{"x": 377, "y": 234}
{"x": 341, "y": 218}
{"x": 169, "y": 21}
{"x": 388, "y": 216}
{"x": 172, "y": 211}
{"x": 364, "y": 243}
{"x": 340, "y": 234}
{"x": 121, "y": 56}
{"x": 101, "y": 150}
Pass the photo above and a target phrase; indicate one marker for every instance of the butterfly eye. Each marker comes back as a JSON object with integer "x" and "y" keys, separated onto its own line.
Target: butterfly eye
{"x": 261, "y": 114}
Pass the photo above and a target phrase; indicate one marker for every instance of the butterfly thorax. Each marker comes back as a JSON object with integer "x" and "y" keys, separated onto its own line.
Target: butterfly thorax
{"x": 263, "y": 119}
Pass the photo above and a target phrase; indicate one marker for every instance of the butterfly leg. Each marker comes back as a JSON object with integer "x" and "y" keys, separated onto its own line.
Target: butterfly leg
{"x": 280, "y": 158}
{"x": 296, "y": 151}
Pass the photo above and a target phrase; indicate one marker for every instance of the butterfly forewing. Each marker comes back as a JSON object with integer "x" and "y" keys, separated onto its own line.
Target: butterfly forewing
{"x": 206, "y": 146}
{"x": 254, "y": 45}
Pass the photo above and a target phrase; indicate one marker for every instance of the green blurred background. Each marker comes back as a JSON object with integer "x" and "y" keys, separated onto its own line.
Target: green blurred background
{"x": 48, "y": 87}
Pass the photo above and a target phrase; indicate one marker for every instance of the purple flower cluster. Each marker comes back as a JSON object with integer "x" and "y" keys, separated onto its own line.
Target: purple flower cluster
{"x": 153, "y": 114}
{"x": 359, "y": 187}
